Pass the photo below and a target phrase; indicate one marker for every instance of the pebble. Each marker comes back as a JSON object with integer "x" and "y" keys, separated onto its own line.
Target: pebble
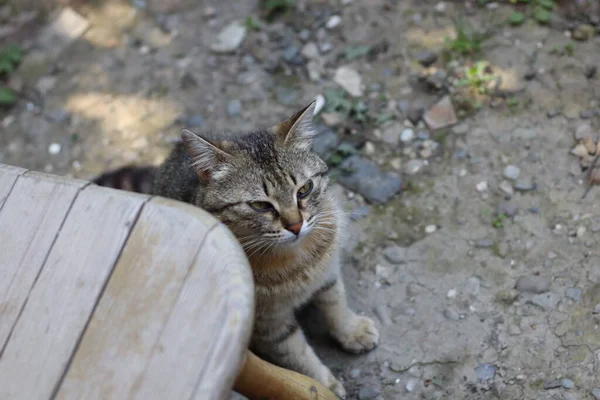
{"x": 230, "y": 38}
{"x": 54, "y": 148}
{"x": 423, "y": 135}
{"x": 411, "y": 385}
{"x": 574, "y": 294}
{"x": 430, "y": 229}
{"x": 441, "y": 114}
{"x": 349, "y": 80}
{"x": 596, "y": 393}
{"x": 451, "y": 315}
{"x": 484, "y": 243}
{"x": 558, "y": 383}
{"x": 485, "y": 372}
{"x": 310, "y": 51}
{"x": 451, "y": 293}
{"x": 407, "y": 135}
{"x": 507, "y": 208}
{"x": 597, "y": 309}
{"x": 414, "y": 289}
{"x": 333, "y": 22}
{"x": 524, "y": 186}
{"x": 391, "y": 133}
{"x": 59, "y": 115}
{"x": 512, "y": 172}
{"x": 482, "y": 187}
{"x": 413, "y": 166}
{"x": 395, "y": 254}
{"x": 532, "y": 284}
{"x": 292, "y": 55}
{"x": 234, "y": 108}
{"x": 547, "y": 301}
{"x": 506, "y": 188}
{"x": 584, "y": 32}
{"x": 367, "y": 393}
{"x": 426, "y": 58}
{"x": 595, "y": 228}
{"x": 367, "y": 179}
{"x": 354, "y": 373}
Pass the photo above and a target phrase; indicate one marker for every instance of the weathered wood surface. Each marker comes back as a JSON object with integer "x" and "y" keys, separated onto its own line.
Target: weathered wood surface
{"x": 107, "y": 294}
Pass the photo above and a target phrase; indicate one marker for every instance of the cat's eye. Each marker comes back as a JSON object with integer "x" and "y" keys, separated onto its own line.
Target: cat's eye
{"x": 261, "y": 206}
{"x": 305, "y": 190}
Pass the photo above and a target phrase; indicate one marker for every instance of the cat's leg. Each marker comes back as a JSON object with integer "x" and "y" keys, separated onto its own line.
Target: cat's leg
{"x": 282, "y": 341}
{"x": 355, "y": 333}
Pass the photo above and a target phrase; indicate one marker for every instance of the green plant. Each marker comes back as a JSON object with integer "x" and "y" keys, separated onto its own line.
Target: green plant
{"x": 251, "y": 24}
{"x": 498, "y": 222}
{"x": 539, "y": 10}
{"x": 468, "y": 40}
{"x": 477, "y": 77}
{"x": 274, "y": 7}
{"x": 352, "y": 52}
{"x": 10, "y": 57}
{"x": 512, "y": 103}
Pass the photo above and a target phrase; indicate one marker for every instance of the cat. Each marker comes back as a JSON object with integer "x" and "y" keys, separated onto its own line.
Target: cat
{"x": 272, "y": 192}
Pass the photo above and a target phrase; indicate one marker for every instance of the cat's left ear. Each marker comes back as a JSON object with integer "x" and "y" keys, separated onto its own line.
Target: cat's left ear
{"x": 297, "y": 130}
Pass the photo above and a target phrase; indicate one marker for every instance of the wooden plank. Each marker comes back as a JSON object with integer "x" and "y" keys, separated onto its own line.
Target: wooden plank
{"x": 66, "y": 292}
{"x": 29, "y": 223}
{"x": 141, "y": 293}
{"x": 8, "y": 177}
{"x": 205, "y": 339}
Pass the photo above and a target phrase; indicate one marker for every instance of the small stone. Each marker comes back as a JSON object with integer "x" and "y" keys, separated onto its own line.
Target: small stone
{"x": 46, "y": 83}
{"x": 423, "y": 135}
{"x": 587, "y": 114}
{"x": 411, "y": 385}
{"x": 581, "y": 231}
{"x": 413, "y": 166}
{"x": 503, "y": 249}
{"x": 430, "y": 229}
{"x": 596, "y": 393}
{"x": 310, "y": 51}
{"x": 414, "y": 289}
{"x": 209, "y": 12}
{"x": 507, "y": 208}
{"x": 391, "y": 133}
{"x": 230, "y": 38}
{"x": 365, "y": 177}
{"x": 584, "y": 32}
{"x": 595, "y": 228}
{"x": 234, "y": 108}
{"x": 325, "y": 142}
{"x": 440, "y": 7}
{"x": 506, "y": 188}
{"x": 54, "y": 148}
{"x": 485, "y": 372}
{"x": 512, "y": 172}
{"x": 532, "y": 284}
{"x": 524, "y": 186}
{"x": 484, "y": 243}
{"x": 597, "y": 309}
{"x": 554, "y": 384}
{"x": 407, "y": 135}
{"x": 349, "y": 80}
{"x": 567, "y": 383}
{"x": 574, "y": 294}
{"x": 354, "y": 373}
{"x": 319, "y": 104}
{"x": 426, "y": 58}
{"x": 482, "y": 187}
{"x": 552, "y": 113}
{"x": 367, "y": 393}
{"x": 333, "y": 22}
{"x": 451, "y": 293}
{"x": 59, "y": 115}
{"x": 441, "y": 115}
{"x": 415, "y": 114}
{"x": 583, "y": 130}
{"x": 395, "y": 254}
{"x": 451, "y": 315}
{"x": 547, "y": 301}
{"x": 292, "y": 55}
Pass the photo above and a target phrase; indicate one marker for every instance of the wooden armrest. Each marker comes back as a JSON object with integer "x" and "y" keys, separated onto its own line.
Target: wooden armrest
{"x": 260, "y": 380}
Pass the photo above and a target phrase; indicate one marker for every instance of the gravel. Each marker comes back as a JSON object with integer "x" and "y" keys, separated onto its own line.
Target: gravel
{"x": 532, "y": 284}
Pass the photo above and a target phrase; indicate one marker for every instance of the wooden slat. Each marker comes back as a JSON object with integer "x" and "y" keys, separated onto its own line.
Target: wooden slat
{"x": 205, "y": 339}
{"x": 62, "y": 299}
{"x": 123, "y": 333}
{"x": 29, "y": 223}
{"x": 8, "y": 176}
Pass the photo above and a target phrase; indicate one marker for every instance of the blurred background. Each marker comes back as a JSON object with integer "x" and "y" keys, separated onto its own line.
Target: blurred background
{"x": 461, "y": 134}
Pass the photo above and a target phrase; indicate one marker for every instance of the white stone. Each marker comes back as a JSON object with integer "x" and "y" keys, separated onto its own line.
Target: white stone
{"x": 512, "y": 172}
{"x": 349, "y": 80}
{"x": 407, "y": 135}
{"x": 230, "y": 38}
{"x": 333, "y": 22}
{"x": 482, "y": 186}
{"x": 54, "y": 148}
{"x": 430, "y": 228}
{"x": 310, "y": 51}
{"x": 411, "y": 385}
{"x": 451, "y": 293}
{"x": 319, "y": 104}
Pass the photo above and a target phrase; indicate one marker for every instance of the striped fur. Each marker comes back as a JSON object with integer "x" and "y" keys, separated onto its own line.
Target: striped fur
{"x": 130, "y": 178}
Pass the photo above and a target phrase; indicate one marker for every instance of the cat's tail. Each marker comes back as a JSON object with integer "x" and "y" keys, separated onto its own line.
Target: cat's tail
{"x": 131, "y": 178}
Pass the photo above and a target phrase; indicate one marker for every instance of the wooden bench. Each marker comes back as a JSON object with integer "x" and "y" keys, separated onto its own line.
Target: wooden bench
{"x": 106, "y": 294}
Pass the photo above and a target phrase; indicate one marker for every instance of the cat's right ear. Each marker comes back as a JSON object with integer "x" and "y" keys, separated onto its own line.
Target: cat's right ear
{"x": 209, "y": 161}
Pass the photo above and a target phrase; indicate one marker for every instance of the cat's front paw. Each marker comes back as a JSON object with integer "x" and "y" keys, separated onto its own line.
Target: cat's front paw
{"x": 361, "y": 336}
{"x": 335, "y": 386}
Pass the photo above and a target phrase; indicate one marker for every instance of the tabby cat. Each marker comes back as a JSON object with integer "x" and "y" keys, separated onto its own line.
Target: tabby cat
{"x": 271, "y": 190}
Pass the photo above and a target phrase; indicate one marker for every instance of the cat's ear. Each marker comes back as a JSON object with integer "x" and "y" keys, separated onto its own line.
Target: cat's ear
{"x": 297, "y": 130}
{"x": 209, "y": 159}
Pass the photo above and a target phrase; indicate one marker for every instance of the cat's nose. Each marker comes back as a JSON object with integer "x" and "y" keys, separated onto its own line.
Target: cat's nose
{"x": 294, "y": 228}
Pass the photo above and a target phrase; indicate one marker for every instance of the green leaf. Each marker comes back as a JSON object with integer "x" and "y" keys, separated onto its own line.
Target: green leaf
{"x": 516, "y": 18}
{"x": 542, "y": 15}
{"x": 251, "y": 23}
{"x": 6, "y": 66}
{"x": 7, "y": 96}
{"x": 547, "y": 4}
{"x": 12, "y": 53}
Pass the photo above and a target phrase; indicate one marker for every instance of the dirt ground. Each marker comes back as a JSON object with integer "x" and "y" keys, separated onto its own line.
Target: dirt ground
{"x": 475, "y": 250}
